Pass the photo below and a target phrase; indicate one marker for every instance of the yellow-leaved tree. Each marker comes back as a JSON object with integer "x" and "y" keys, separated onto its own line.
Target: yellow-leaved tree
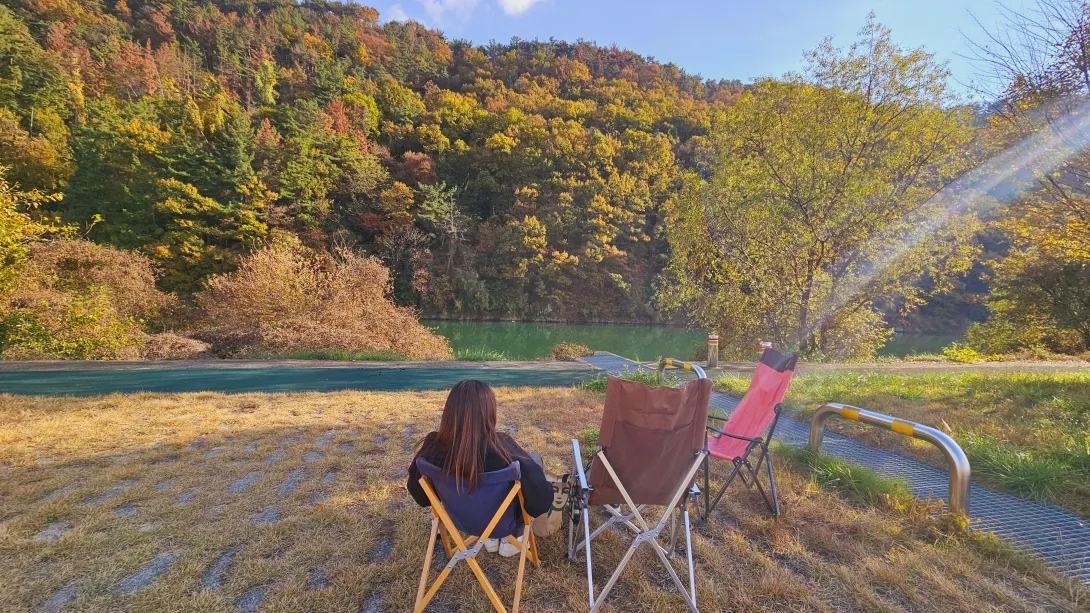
{"x": 1037, "y": 68}
{"x": 812, "y": 209}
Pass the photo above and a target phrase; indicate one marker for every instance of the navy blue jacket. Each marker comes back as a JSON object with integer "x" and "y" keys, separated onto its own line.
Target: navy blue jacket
{"x": 537, "y": 492}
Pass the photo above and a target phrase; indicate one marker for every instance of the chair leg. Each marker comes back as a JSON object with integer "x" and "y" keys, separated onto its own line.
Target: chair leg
{"x": 486, "y": 585}
{"x": 689, "y": 553}
{"x": 533, "y": 550}
{"x": 527, "y": 544}
{"x": 434, "y": 588}
{"x": 673, "y": 531}
{"x": 597, "y": 604}
{"x": 707, "y": 493}
{"x": 427, "y": 562}
{"x": 590, "y": 569}
{"x": 689, "y": 600}
{"x": 772, "y": 487}
{"x": 730, "y": 479}
{"x": 446, "y": 541}
{"x": 771, "y": 503}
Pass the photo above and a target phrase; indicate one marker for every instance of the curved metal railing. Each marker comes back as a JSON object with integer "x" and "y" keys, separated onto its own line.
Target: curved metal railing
{"x": 956, "y": 460}
{"x": 664, "y": 362}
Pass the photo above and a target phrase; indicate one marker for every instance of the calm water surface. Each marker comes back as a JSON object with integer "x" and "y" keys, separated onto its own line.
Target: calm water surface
{"x": 528, "y": 341}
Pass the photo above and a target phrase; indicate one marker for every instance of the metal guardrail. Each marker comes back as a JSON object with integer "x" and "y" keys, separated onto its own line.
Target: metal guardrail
{"x": 956, "y": 460}
{"x": 664, "y": 362}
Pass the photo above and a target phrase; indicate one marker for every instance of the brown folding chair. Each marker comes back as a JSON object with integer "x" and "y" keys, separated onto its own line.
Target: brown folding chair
{"x": 651, "y": 445}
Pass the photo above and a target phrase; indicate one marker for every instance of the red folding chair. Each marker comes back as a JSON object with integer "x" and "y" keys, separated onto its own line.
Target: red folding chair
{"x": 749, "y": 430}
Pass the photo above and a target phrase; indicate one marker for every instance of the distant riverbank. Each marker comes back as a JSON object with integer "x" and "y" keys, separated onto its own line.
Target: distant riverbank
{"x": 535, "y": 340}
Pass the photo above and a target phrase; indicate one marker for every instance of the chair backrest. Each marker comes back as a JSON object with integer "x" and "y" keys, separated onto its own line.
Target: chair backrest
{"x": 471, "y": 511}
{"x": 756, "y": 410}
{"x": 650, "y": 436}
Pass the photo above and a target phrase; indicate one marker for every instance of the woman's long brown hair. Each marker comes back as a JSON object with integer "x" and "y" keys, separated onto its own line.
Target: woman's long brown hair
{"x": 467, "y": 431}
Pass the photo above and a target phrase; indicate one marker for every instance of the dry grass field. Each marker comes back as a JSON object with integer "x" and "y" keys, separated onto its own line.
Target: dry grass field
{"x": 296, "y": 502}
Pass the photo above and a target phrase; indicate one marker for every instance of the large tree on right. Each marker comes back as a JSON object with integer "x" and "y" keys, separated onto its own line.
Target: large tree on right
{"x": 811, "y": 214}
{"x": 1036, "y": 67}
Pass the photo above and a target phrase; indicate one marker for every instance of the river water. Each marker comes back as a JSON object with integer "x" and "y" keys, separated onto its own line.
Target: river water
{"x": 528, "y": 341}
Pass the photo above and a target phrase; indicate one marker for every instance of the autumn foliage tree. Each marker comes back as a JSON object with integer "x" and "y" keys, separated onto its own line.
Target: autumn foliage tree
{"x": 817, "y": 178}
{"x": 1038, "y": 70}
{"x": 536, "y": 171}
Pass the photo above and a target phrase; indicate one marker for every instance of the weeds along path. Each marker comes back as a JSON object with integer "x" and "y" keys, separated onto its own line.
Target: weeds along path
{"x": 1058, "y": 537}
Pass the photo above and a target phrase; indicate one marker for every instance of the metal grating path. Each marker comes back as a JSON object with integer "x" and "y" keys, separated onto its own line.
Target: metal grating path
{"x": 1059, "y": 537}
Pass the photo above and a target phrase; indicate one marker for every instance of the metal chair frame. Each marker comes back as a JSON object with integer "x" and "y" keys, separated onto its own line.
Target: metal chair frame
{"x": 743, "y": 462}
{"x": 643, "y": 532}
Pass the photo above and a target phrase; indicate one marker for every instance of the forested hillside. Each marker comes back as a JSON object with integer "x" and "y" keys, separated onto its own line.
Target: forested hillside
{"x": 521, "y": 180}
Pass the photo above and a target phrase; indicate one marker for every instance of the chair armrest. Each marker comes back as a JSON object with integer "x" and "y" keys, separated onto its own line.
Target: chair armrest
{"x": 579, "y": 465}
{"x": 743, "y": 438}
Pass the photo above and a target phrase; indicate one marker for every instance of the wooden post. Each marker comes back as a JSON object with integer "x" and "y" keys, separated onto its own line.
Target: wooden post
{"x": 713, "y": 350}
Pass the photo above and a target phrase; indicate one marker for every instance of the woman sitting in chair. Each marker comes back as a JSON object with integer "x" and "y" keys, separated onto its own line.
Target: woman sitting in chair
{"x": 467, "y": 444}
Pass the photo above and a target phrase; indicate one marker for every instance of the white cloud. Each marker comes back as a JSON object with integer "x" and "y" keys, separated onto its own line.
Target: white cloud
{"x": 396, "y": 13}
{"x": 438, "y": 10}
{"x": 443, "y": 12}
{"x": 516, "y": 7}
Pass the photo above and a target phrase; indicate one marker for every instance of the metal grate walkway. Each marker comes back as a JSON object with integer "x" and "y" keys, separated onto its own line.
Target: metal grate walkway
{"x": 1059, "y": 537}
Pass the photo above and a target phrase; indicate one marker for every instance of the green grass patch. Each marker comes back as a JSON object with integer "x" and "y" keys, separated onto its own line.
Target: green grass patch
{"x": 1028, "y": 474}
{"x": 588, "y": 444}
{"x": 852, "y": 481}
{"x": 379, "y": 355}
{"x": 735, "y": 385}
{"x": 478, "y": 354}
{"x": 640, "y": 374}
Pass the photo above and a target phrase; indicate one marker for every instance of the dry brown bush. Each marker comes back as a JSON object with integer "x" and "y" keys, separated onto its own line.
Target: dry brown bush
{"x": 77, "y": 266}
{"x": 78, "y": 300}
{"x": 171, "y": 346}
{"x": 282, "y": 299}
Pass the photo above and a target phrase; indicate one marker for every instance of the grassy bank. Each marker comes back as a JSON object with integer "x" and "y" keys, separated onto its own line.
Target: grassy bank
{"x": 1027, "y": 433}
{"x": 354, "y": 540}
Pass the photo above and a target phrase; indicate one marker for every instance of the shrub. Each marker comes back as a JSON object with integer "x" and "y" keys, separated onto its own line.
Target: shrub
{"x": 283, "y": 299}
{"x": 570, "y": 352}
{"x": 170, "y": 346}
{"x": 74, "y": 299}
{"x": 958, "y": 352}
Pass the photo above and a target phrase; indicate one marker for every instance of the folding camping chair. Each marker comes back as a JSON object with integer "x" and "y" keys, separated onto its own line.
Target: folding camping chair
{"x": 749, "y": 430}
{"x": 488, "y": 511}
{"x": 651, "y": 446}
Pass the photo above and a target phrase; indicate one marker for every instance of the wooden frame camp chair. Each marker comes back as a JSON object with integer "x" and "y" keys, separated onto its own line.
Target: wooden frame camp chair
{"x": 651, "y": 445}
{"x": 749, "y": 430}
{"x": 467, "y": 511}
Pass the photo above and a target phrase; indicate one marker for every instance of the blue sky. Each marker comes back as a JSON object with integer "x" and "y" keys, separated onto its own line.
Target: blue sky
{"x": 715, "y": 38}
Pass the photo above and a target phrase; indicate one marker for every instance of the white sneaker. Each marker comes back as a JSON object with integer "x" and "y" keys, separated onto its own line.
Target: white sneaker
{"x": 508, "y": 550}
{"x": 491, "y": 545}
